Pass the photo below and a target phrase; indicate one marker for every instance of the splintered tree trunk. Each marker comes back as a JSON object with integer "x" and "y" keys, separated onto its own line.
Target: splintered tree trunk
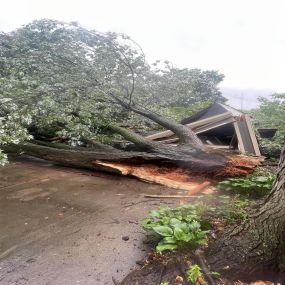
{"x": 257, "y": 245}
{"x": 189, "y": 156}
{"x": 86, "y": 158}
{"x": 149, "y": 158}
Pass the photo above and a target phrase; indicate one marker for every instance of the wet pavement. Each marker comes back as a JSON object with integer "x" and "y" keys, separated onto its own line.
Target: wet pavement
{"x": 67, "y": 226}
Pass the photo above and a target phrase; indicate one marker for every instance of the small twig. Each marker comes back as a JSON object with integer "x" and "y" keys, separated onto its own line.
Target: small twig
{"x": 139, "y": 202}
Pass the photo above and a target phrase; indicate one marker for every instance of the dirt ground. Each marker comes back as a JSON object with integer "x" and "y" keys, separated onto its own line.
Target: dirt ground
{"x": 66, "y": 226}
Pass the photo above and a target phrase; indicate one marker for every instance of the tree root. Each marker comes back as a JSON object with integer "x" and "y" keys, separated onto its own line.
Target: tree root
{"x": 207, "y": 273}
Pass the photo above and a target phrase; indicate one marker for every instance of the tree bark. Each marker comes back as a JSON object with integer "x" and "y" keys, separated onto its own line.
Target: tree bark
{"x": 140, "y": 141}
{"x": 185, "y": 134}
{"x": 82, "y": 157}
{"x": 258, "y": 244}
{"x": 178, "y": 163}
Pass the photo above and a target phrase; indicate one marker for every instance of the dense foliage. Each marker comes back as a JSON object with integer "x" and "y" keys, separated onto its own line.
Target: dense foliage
{"x": 12, "y": 125}
{"x": 65, "y": 78}
{"x": 270, "y": 114}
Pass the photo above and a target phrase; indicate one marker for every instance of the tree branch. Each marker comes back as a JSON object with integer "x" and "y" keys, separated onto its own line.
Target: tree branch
{"x": 185, "y": 135}
{"x": 137, "y": 139}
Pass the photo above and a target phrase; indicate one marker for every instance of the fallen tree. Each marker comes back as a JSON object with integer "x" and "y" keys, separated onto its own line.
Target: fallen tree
{"x": 190, "y": 155}
{"x": 67, "y": 76}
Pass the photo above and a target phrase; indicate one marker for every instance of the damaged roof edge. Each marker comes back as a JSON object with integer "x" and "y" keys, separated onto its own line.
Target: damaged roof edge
{"x": 212, "y": 110}
{"x": 213, "y": 117}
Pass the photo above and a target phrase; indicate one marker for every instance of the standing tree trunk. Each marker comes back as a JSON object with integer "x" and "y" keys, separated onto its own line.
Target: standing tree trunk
{"x": 258, "y": 244}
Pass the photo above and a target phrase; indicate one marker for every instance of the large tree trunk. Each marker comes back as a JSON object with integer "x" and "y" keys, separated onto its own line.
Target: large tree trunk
{"x": 257, "y": 245}
{"x": 84, "y": 157}
{"x": 187, "y": 159}
{"x": 206, "y": 163}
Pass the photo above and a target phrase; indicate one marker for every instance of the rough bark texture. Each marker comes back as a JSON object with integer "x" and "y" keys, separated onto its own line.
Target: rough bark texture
{"x": 82, "y": 157}
{"x": 76, "y": 156}
{"x": 185, "y": 134}
{"x": 190, "y": 155}
{"x": 139, "y": 141}
{"x": 188, "y": 158}
{"x": 258, "y": 245}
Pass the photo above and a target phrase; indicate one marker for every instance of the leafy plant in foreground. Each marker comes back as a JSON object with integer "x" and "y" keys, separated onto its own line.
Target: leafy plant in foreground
{"x": 257, "y": 184}
{"x": 177, "y": 226}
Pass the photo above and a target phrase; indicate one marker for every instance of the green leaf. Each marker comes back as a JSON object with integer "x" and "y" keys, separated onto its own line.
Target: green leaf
{"x": 162, "y": 247}
{"x": 179, "y": 234}
{"x": 163, "y": 230}
{"x": 194, "y": 226}
{"x": 193, "y": 273}
{"x": 215, "y": 273}
{"x": 202, "y": 242}
{"x": 261, "y": 179}
{"x": 154, "y": 214}
{"x": 174, "y": 222}
{"x": 184, "y": 227}
{"x": 171, "y": 240}
{"x": 149, "y": 226}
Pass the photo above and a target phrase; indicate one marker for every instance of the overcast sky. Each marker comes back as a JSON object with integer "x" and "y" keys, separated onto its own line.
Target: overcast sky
{"x": 244, "y": 39}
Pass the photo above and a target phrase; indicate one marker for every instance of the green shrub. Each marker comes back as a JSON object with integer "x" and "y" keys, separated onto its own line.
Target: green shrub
{"x": 177, "y": 227}
{"x": 270, "y": 148}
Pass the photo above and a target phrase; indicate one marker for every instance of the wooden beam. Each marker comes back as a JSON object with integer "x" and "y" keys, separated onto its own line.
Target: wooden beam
{"x": 214, "y": 125}
{"x": 203, "y": 128}
{"x": 239, "y": 138}
{"x": 192, "y": 125}
{"x": 215, "y": 146}
{"x": 252, "y": 135}
{"x": 210, "y": 120}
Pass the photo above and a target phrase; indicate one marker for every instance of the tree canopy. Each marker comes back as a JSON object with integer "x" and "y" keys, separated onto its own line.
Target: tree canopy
{"x": 62, "y": 78}
{"x": 270, "y": 114}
